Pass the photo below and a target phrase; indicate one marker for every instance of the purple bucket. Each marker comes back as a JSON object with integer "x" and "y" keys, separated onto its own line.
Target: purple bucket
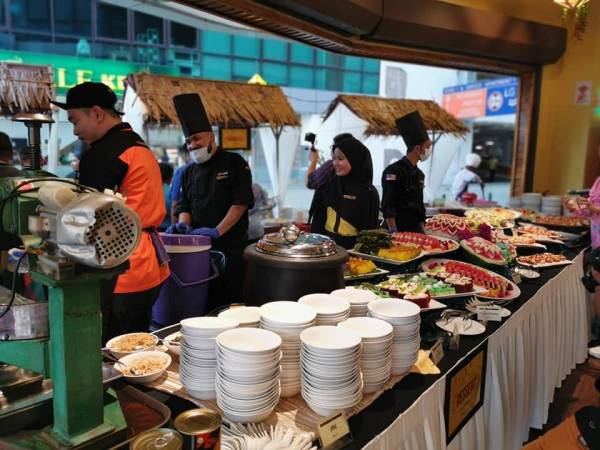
{"x": 185, "y": 293}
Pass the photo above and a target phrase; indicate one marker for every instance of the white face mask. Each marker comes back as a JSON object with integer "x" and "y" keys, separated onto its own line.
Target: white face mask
{"x": 425, "y": 156}
{"x": 201, "y": 155}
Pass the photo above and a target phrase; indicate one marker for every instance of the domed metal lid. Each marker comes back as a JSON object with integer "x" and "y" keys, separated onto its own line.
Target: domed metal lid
{"x": 292, "y": 243}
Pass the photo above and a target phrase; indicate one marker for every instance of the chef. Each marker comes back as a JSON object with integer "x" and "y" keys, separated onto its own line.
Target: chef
{"x": 466, "y": 176}
{"x": 403, "y": 182}
{"x": 215, "y": 194}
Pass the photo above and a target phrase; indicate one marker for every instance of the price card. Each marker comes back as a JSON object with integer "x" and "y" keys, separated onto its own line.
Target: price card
{"x": 489, "y": 313}
{"x": 516, "y": 276}
{"x": 334, "y": 433}
{"x": 437, "y": 351}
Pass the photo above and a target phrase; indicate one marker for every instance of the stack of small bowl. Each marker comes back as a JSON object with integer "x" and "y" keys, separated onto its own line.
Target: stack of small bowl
{"x": 532, "y": 200}
{"x": 330, "y": 309}
{"x": 288, "y": 320}
{"x": 198, "y": 360}
{"x": 405, "y": 317}
{"x": 552, "y": 205}
{"x": 330, "y": 360}
{"x": 358, "y": 298}
{"x": 248, "y": 371}
{"x": 247, "y": 316}
{"x": 376, "y": 356}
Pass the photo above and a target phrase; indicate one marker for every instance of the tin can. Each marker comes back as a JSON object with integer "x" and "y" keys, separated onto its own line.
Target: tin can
{"x": 200, "y": 428}
{"x": 157, "y": 439}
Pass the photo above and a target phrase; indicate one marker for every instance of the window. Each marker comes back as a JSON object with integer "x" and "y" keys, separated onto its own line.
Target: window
{"x": 371, "y": 65}
{"x": 148, "y": 29}
{"x": 370, "y": 84}
{"x": 73, "y": 17}
{"x": 246, "y": 46}
{"x": 301, "y": 77}
{"x": 216, "y": 68}
{"x": 329, "y": 59}
{"x": 112, "y": 21}
{"x": 275, "y": 73}
{"x": 275, "y": 50}
{"x": 68, "y": 46}
{"x": 30, "y": 14}
{"x": 32, "y": 42}
{"x": 329, "y": 79}
{"x": 215, "y": 42}
{"x": 116, "y": 52}
{"x": 243, "y": 69}
{"x": 182, "y": 35}
{"x": 352, "y": 82}
{"x": 148, "y": 54}
{"x": 352, "y": 63}
{"x": 2, "y": 15}
{"x": 300, "y": 53}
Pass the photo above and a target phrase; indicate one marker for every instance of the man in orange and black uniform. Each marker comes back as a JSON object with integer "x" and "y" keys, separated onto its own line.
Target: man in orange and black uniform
{"x": 118, "y": 159}
{"x": 215, "y": 195}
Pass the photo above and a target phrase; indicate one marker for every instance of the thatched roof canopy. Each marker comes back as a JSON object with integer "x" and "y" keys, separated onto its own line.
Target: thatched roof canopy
{"x": 381, "y": 114}
{"x": 227, "y": 104}
{"x": 25, "y": 88}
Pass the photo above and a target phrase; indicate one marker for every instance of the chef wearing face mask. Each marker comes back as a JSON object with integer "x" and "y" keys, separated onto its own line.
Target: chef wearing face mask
{"x": 215, "y": 194}
{"x": 403, "y": 182}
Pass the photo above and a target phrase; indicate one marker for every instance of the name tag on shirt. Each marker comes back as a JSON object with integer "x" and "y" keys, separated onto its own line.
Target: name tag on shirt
{"x": 349, "y": 197}
{"x": 390, "y": 177}
{"x": 222, "y": 175}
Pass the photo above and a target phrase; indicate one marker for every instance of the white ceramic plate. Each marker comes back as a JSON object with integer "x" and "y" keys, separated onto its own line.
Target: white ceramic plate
{"x": 394, "y": 308}
{"x": 527, "y": 273}
{"x": 393, "y": 262}
{"x": 366, "y": 276}
{"x": 541, "y": 266}
{"x": 465, "y": 327}
{"x": 243, "y": 314}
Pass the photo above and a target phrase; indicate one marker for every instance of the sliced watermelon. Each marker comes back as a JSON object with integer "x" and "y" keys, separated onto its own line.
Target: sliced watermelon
{"x": 483, "y": 251}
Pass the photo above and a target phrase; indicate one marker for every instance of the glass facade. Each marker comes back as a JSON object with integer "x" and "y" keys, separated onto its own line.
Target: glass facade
{"x": 90, "y": 28}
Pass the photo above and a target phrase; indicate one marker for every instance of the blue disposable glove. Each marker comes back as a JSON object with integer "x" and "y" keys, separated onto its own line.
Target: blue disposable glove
{"x": 179, "y": 228}
{"x": 393, "y": 230}
{"x": 212, "y": 233}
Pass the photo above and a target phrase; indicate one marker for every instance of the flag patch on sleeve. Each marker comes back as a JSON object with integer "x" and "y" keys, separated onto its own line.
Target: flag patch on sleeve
{"x": 390, "y": 177}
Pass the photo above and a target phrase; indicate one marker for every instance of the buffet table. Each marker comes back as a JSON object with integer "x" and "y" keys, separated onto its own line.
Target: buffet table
{"x": 529, "y": 354}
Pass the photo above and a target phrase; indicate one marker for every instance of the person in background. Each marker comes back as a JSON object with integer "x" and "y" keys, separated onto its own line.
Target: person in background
{"x": 118, "y": 159}
{"x": 215, "y": 195}
{"x": 316, "y": 178}
{"x": 492, "y": 167}
{"x": 403, "y": 182}
{"x": 466, "y": 176}
{"x": 6, "y": 158}
{"x": 348, "y": 203}
{"x": 176, "y": 183}
{"x": 166, "y": 174}
{"x": 79, "y": 149}
{"x": 256, "y": 214}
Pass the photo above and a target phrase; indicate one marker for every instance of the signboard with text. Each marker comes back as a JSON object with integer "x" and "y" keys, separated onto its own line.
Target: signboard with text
{"x": 485, "y": 98}
{"x": 234, "y": 138}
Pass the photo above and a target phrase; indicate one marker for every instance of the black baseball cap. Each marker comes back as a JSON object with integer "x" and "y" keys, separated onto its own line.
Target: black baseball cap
{"x": 88, "y": 94}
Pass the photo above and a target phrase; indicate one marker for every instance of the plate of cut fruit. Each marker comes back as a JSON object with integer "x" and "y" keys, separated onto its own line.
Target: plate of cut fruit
{"x": 362, "y": 269}
{"x": 541, "y": 260}
{"x": 431, "y": 245}
{"x": 492, "y": 286}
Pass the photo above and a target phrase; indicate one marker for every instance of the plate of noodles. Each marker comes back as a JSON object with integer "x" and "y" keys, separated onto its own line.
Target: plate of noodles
{"x": 127, "y": 344}
{"x": 143, "y": 367}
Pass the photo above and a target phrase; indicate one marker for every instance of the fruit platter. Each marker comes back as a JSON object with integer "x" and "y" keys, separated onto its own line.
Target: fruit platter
{"x": 447, "y": 226}
{"x": 540, "y": 234}
{"x": 483, "y": 252}
{"x": 494, "y": 286}
{"x": 429, "y": 244}
{"x": 438, "y": 285}
{"x": 494, "y": 217}
{"x": 519, "y": 240}
{"x": 377, "y": 245}
{"x": 362, "y": 269}
{"x": 541, "y": 260}
{"x": 562, "y": 221}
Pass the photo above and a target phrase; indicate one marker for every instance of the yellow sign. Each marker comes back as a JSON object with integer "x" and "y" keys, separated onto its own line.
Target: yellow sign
{"x": 333, "y": 429}
{"x": 234, "y": 138}
{"x": 465, "y": 387}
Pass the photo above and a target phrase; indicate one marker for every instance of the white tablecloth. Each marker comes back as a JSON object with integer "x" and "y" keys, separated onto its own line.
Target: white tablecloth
{"x": 528, "y": 357}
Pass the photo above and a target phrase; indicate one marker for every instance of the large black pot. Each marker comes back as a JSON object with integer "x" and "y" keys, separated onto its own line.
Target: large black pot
{"x": 272, "y": 277}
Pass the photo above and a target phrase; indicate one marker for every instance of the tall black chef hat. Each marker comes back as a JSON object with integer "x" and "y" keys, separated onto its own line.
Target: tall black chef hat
{"x": 191, "y": 113}
{"x": 412, "y": 129}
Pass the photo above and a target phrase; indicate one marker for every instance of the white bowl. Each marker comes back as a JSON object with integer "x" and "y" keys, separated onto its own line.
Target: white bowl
{"x": 174, "y": 347}
{"x": 132, "y": 359}
{"x": 207, "y": 326}
{"x": 368, "y": 327}
{"x": 399, "y": 311}
{"x": 326, "y": 304}
{"x": 287, "y": 313}
{"x": 117, "y": 354}
{"x": 249, "y": 340}
{"x": 330, "y": 339}
{"x": 355, "y": 296}
{"x": 245, "y": 315}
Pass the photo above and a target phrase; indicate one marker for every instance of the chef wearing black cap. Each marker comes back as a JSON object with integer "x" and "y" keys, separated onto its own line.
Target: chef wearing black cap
{"x": 403, "y": 182}
{"x": 215, "y": 194}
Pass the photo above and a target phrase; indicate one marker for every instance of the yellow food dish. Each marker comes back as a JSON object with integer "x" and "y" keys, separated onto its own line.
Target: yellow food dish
{"x": 400, "y": 252}
{"x": 359, "y": 266}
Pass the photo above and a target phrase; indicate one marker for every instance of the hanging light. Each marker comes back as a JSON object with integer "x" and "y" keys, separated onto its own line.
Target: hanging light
{"x": 577, "y": 9}
{"x": 571, "y": 4}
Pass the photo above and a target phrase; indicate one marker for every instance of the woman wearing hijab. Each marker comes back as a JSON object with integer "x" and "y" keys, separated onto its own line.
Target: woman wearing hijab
{"x": 348, "y": 202}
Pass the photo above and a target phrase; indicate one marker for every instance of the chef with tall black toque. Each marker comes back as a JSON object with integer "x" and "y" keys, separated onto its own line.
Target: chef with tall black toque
{"x": 403, "y": 182}
{"x": 215, "y": 195}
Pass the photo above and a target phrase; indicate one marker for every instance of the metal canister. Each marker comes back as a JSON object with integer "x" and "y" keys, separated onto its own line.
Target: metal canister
{"x": 200, "y": 428}
{"x": 157, "y": 439}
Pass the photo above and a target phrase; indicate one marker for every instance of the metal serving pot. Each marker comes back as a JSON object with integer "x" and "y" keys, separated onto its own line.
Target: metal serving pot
{"x": 289, "y": 264}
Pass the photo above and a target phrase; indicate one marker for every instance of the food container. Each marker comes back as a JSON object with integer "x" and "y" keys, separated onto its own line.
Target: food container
{"x": 200, "y": 428}
{"x": 290, "y": 264}
{"x": 157, "y": 439}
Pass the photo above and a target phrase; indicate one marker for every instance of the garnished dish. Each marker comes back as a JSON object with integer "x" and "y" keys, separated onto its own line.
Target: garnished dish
{"x": 400, "y": 252}
{"x": 131, "y": 343}
{"x": 429, "y": 244}
{"x": 562, "y": 221}
{"x": 539, "y": 233}
{"x": 447, "y": 226}
{"x": 436, "y": 284}
{"x": 529, "y": 215}
{"x": 543, "y": 260}
{"x": 359, "y": 268}
{"x": 494, "y": 286}
{"x": 483, "y": 251}
{"x": 494, "y": 217}
{"x": 378, "y": 245}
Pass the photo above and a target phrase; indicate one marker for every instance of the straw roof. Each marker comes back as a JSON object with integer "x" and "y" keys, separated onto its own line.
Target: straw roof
{"x": 25, "y": 88}
{"x": 227, "y": 104}
{"x": 381, "y": 114}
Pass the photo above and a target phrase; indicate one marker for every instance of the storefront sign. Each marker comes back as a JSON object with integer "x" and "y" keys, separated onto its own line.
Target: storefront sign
{"x": 234, "y": 138}
{"x": 465, "y": 390}
{"x": 72, "y": 70}
{"x": 486, "y": 98}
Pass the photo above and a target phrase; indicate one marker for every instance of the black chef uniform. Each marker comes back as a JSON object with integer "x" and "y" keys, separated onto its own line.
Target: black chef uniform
{"x": 208, "y": 190}
{"x": 403, "y": 182}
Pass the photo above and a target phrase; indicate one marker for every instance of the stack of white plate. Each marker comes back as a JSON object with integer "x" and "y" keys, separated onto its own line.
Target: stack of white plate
{"x": 247, "y": 316}
{"x": 358, "y": 298}
{"x": 288, "y": 320}
{"x": 405, "y": 317}
{"x": 515, "y": 202}
{"x": 247, "y": 379}
{"x": 198, "y": 359}
{"x": 331, "y": 310}
{"x": 376, "y": 356}
{"x": 331, "y": 378}
{"x": 552, "y": 205}
{"x": 532, "y": 200}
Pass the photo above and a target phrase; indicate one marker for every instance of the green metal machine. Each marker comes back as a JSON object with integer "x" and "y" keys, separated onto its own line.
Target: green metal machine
{"x": 74, "y": 231}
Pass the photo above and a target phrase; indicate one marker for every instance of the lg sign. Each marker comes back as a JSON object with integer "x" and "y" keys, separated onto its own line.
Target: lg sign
{"x": 486, "y": 98}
